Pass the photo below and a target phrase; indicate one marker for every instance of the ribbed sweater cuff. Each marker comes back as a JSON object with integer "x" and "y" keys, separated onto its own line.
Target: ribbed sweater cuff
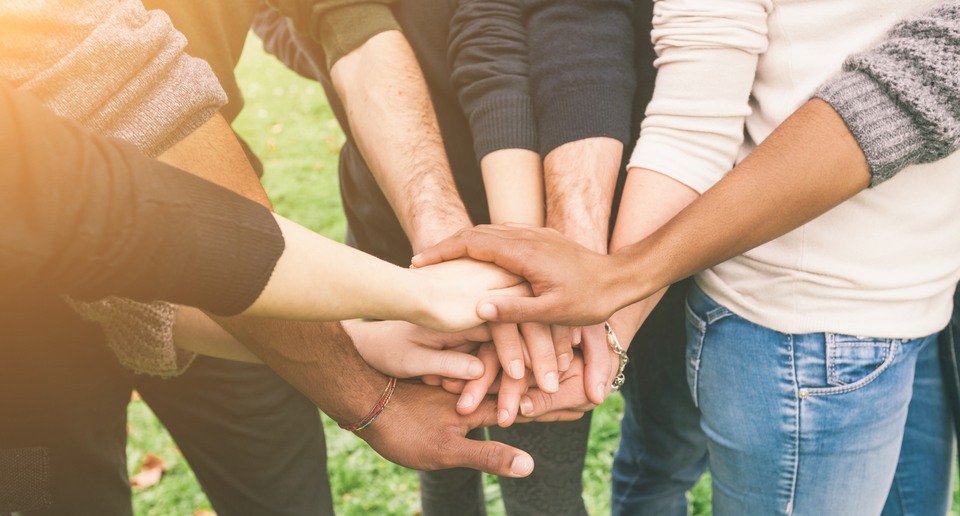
{"x": 236, "y": 244}
{"x": 885, "y": 132}
{"x": 505, "y": 122}
{"x": 586, "y": 112}
{"x": 344, "y": 29}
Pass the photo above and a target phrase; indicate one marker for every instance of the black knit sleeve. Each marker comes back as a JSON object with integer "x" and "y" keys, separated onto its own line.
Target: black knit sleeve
{"x": 91, "y": 217}
{"x": 491, "y": 74}
{"x": 581, "y": 68}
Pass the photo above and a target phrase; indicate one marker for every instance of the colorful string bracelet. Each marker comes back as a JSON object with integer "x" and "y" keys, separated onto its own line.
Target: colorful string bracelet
{"x": 381, "y": 404}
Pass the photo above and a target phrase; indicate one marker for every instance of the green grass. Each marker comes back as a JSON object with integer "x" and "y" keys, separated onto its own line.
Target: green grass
{"x": 288, "y": 123}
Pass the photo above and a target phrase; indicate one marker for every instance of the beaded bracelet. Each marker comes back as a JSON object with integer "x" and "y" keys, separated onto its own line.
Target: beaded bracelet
{"x": 618, "y": 350}
{"x": 381, "y": 404}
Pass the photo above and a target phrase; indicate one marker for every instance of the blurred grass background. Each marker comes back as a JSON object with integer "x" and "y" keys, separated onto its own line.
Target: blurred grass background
{"x": 290, "y": 126}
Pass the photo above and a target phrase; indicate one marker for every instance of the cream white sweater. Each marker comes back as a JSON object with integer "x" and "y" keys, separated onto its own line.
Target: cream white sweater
{"x": 883, "y": 264}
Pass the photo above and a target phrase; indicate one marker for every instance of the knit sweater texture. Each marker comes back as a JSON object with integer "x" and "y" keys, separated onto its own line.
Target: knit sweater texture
{"x": 910, "y": 82}
{"x": 121, "y": 71}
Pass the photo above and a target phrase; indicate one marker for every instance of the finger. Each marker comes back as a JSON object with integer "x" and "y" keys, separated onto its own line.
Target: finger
{"x": 536, "y": 403}
{"x": 516, "y": 309}
{"x": 475, "y": 390}
{"x": 418, "y": 361}
{"x": 596, "y": 359}
{"x": 453, "y": 386}
{"x": 508, "y": 401}
{"x": 563, "y": 345}
{"x": 543, "y": 357}
{"x": 506, "y": 338}
{"x": 483, "y": 243}
{"x": 431, "y": 379}
{"x": 563, "y": 415}
{"x": 576, "y": 336}
{"x": 490, "y": 457}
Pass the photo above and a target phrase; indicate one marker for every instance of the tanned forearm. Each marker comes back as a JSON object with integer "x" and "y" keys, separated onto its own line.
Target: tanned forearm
{"x": 810, "y": 164}
{"x": 392, "y": 118}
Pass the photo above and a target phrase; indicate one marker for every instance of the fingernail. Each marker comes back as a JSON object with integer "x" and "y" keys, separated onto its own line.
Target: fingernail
{"x": 522, "y": 465}
{"x": 465, "y": 401}
{"x": 516, "y": 369}
{"x": 487, "y": 311}
{"x": 601, "y": 391}
{"x": 563, "y": 362}
{"x": 526, "y": 406}
{"x": 475, "y": 370}
{"x": 415, "y": 258}
{"x": 503, "y": 416}
{"x": 550, "y": 383}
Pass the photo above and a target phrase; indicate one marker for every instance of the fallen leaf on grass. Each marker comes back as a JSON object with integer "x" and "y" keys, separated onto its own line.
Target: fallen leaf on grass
{"x": 151, "y": 469}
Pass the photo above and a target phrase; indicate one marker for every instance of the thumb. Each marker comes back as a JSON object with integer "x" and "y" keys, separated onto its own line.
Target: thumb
{"x": 514, "y": 309}
{"x": 450, "y": 364}
{"x": 491, "y": 457}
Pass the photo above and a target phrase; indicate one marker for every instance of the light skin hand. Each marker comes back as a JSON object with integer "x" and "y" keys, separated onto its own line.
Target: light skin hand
{"x": 404, "y": 350}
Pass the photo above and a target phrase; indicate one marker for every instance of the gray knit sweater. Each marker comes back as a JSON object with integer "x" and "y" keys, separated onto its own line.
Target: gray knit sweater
{"x": 116, "y": 68}
{"x": 901, "y": 99}
{"x": 121, "y": 71}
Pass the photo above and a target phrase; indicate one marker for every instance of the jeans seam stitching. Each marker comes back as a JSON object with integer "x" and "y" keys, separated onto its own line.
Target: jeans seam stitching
{"x": 796, "y": 428}
{"x": 863, "y": 382}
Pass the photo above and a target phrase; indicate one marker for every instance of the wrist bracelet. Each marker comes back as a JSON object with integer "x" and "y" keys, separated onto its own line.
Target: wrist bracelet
{"x": 381, "y": 404}
{"x": 618, "y": 350}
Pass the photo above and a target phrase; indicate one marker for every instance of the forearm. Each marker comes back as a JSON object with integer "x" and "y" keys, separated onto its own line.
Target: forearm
{"x": 650, "y": 200}
{"x": 513, "y": 181}
{"x": 810, "y": 164}
{"x": 579, "y": 181}
{"x": 318, "y": 359}
{"x": 392, "y": 119}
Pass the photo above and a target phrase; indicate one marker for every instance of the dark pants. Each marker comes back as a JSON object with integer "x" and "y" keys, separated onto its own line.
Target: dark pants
{"x": 255, "y": 444}
{"x": 663, "y": 451}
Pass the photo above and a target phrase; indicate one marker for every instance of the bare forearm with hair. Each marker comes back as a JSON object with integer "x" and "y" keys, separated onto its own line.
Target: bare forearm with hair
{"x": 579, "y": 180}
{"x": 392, "y": 118}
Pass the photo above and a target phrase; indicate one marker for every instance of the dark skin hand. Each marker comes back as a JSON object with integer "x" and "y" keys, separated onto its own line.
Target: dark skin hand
{"x": 564, "y": 275}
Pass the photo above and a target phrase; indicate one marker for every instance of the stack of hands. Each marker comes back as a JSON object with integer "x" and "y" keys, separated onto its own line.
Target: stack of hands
{"x": 485, "y": 334}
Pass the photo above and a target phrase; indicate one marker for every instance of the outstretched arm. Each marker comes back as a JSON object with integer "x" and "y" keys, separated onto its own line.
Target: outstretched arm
{"x": 820, "y": 156}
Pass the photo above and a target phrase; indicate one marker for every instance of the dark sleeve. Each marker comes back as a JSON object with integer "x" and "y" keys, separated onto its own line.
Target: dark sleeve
{"x": 279, "y": 39}
{"x": 340, "y": 26}
{"x": 901, "y": 99}
{"x": 581, "y": 69}
{"x": 491, "y": 74}
{"x": 90, "y": 217}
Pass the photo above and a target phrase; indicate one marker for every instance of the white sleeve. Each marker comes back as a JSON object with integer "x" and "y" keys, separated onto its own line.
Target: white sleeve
{"x": 707, "y": 59}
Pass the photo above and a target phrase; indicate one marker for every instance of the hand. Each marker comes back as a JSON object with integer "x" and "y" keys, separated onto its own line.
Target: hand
{"x": 573, "y": 285}
{"x": 572, "y": 395}
{"x": 454, "y": 288}
{"x": 457, "y": 288}
{"x": 405, "y": 350}
{"x": 420, "y": 429}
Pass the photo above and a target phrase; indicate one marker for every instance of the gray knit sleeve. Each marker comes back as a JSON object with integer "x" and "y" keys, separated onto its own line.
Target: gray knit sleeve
{"x": 111, "y": 65}
{"x": 901, "y": 99}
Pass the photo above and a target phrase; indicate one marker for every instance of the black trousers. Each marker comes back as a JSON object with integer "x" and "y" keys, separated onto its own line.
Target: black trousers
{"x": 255, "y": 444}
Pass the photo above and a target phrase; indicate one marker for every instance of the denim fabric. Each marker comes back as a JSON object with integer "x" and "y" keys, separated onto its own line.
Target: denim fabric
{"x": 662, "y": 450}
{"x": 813, "y": 423}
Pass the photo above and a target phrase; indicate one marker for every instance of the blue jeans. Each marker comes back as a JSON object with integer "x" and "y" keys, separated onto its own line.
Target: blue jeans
{"x": 662, "y": 450}
{"x": 817, "y": 423}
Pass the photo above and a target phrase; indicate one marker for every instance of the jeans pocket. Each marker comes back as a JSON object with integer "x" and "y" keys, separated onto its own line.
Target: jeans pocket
{"x": 853, "y": 362}
{"x": 696, "y": 330}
